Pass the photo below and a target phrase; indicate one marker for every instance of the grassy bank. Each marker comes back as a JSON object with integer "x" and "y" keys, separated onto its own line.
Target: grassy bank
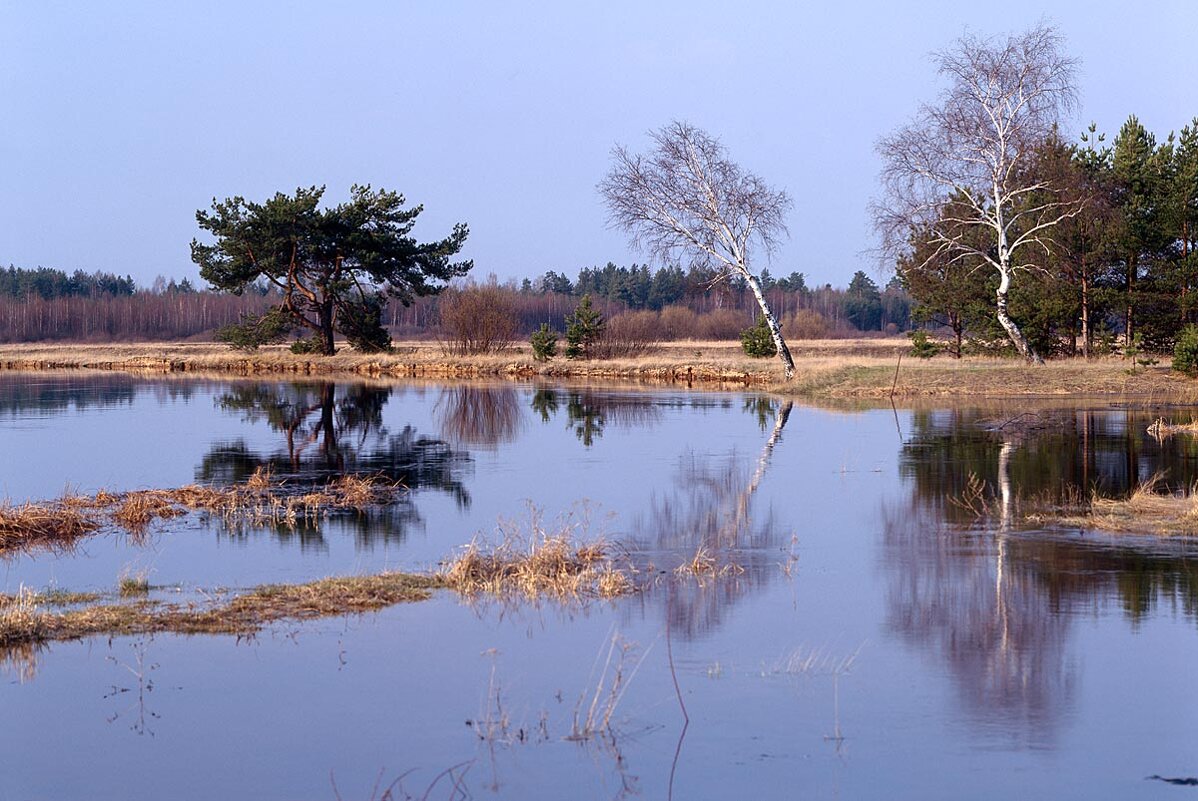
{"x": 856, "y": 368}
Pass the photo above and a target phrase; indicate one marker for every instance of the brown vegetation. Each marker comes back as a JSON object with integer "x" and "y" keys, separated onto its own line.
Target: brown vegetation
{"x": 829, "y": 369}
{"x": 259, "y": 501}
{"x": 547, "y": 565}
{"x": 1145, "y": 511}
{"x": 34, "y": 524}
{"x": 24, "y": 618}
{"x": 478, "y": 319}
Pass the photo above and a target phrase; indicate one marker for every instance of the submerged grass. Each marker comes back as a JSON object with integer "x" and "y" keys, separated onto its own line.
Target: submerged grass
{"x": 25, "y": 618}
{"x": 258, "y": 501}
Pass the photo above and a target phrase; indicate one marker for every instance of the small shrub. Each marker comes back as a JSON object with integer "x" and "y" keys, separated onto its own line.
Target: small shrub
{"x": 479, "y": 319}
{"x": 255, "y": 330}
{"x": 921, "y": 346}
{"x": 544, "y": 343}
{"x": 308, "y": 345}
{"x": 583, "y": 329}
{"x": 757, "y": 341}
{"x": 1185, "y": 351}
{"x": 678, "y": 322}
{"x": 805, "y": 324}
{"x": 1133, "y": 349}
{"x": 627, "y": 335}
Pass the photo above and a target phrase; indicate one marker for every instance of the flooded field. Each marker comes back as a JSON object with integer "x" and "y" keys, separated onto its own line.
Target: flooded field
{"x": 871, "y": 618}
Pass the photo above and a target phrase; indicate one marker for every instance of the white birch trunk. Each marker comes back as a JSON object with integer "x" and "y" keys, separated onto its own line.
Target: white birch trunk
{"x": 771, "y": 322}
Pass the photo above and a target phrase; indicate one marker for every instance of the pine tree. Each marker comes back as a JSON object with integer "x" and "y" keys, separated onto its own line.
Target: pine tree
{"x": 583, "y": 329}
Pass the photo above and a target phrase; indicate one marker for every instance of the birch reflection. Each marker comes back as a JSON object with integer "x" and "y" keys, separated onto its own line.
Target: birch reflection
{"x": 710, "y": 509}
{"x": 984, "y": 615}
{"x": 993, "y": 603}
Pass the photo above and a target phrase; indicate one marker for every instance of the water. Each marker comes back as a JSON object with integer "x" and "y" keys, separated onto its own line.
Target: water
{"x": 881, "y": 642}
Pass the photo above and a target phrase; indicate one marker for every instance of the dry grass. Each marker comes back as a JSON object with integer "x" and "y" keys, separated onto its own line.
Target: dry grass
{"x": 1145, "y": 511}
{"x": 825, "y": 368}
{"x": 532, "y": 560}
{"x": 705, "y": 565}
{"x": 547, "y": 565}
{"x": 1162, "y": 429}
{"x": 259, "y": 501}
{"x": 25, "y": 618}
{"x": 33, "y": 524}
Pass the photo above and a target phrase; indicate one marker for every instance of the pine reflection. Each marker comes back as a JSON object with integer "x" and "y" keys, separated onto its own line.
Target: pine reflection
{"x": 329, "y": 430}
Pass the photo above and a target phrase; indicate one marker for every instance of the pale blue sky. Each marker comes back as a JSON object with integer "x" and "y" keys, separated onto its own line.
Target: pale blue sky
{"x": 120, "y": 119}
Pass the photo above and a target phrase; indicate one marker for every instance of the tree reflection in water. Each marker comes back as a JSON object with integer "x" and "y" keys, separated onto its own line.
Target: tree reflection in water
{"x": 996, "y": 604}
{"x": 710, "y": 508}
{"x": 52, "y": 394}
{"x": 589, "y": 412}
{"x": 481, "y": 416}
{"x": 330, "y": 430}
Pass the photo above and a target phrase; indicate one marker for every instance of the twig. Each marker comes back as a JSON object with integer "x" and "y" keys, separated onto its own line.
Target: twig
{"x": 894, "y": 383}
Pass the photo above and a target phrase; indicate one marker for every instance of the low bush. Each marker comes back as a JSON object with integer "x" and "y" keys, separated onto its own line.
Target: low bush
{"x": 544, "y": 343}
{"x": 308, "y": 345}
{"x": 478, "y": 319}
{"x": 678, "y": 322}
{"x": 722, "y": 324}
{"x": 628, "y": 335}
{"x": 757, "y": 341}
{"x": 255, "y": 330}
{"x": 921, "y": 346}
{"x": 805, "y": 324}
{"x": 1185, "y": 351}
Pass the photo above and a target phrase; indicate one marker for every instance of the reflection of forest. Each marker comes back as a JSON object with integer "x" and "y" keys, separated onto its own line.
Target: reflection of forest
{"x": 52, "y": 394}
{"x": 1062, "y": 454}
{"x": 710, "y": 508}
{"x": 328, "y": 430}
{"x": 996, "y": 607}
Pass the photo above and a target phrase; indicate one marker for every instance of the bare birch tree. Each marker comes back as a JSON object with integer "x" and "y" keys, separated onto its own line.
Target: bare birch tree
{"x": 965, "y": 165}
{"x": 686, "y": 199}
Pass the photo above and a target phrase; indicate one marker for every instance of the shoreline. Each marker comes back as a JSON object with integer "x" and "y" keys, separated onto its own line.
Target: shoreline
{"x": 860, "y": 369}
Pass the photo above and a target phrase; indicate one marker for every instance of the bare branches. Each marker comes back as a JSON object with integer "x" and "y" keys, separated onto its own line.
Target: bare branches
{"x": 965, "y": 165}
{"x": 1003, "y": 99}
{"x": 686, "y": 200}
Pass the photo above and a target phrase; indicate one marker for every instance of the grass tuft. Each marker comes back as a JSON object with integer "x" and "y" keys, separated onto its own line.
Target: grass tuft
{"x": 547, "y": 565}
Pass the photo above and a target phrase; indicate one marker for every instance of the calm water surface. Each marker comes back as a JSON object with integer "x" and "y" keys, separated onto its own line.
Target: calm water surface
{"x": 881, "y": 642}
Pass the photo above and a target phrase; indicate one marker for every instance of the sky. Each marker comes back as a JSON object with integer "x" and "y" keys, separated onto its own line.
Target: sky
{"x": 118, "y": 120}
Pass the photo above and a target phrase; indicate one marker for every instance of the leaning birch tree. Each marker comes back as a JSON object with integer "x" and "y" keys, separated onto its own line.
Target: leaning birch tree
{"x": 686, "y": 199}
{"x": 965, "y": 165}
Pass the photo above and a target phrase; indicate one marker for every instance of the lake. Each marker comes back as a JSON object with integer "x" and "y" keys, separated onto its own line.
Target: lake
{"x": 882, "y": 624}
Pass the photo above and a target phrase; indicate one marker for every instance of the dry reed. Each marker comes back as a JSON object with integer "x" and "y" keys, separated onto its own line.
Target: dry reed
{"x": 548, "y": 565}
{"x": 259, "y": 501}
{"x": 42, "y": 524}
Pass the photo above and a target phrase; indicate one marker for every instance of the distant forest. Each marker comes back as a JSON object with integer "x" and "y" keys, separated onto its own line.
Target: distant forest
{"x": 46, "y": 304}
